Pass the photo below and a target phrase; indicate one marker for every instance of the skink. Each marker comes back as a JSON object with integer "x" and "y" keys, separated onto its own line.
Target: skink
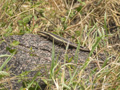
{"x": 61, "y": 40}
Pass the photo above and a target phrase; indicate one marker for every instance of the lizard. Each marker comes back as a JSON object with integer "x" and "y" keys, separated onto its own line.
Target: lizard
{"x": 59, "y": 39}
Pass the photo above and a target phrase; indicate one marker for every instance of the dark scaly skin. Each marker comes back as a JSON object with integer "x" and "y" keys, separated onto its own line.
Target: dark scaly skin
{"x": 58, "y": 39}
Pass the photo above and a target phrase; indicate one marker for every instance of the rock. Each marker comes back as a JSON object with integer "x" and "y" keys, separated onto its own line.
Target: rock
{"x": 33, "y": 54}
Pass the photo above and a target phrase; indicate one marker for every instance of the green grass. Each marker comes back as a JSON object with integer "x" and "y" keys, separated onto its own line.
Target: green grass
{"x": 85, "y": 25}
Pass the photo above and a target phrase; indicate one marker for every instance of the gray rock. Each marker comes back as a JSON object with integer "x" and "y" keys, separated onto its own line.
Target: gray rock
{"x": 40, "y": 54}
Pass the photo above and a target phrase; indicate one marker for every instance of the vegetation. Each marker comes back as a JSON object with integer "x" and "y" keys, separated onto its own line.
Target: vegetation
{"x": 90, "y": 23}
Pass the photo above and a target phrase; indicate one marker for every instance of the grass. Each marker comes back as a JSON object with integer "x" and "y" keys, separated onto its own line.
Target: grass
{"x": 88, "y": 23}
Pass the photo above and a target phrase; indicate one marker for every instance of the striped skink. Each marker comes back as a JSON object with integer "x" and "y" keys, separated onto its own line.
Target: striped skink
{"x": 61, "y": 40}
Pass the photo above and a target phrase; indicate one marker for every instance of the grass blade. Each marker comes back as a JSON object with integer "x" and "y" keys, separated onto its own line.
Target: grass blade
{"x": 7, "y": 60}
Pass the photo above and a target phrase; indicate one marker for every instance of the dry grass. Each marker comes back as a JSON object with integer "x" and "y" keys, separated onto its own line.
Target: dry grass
{"x": 85, "y": 20}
